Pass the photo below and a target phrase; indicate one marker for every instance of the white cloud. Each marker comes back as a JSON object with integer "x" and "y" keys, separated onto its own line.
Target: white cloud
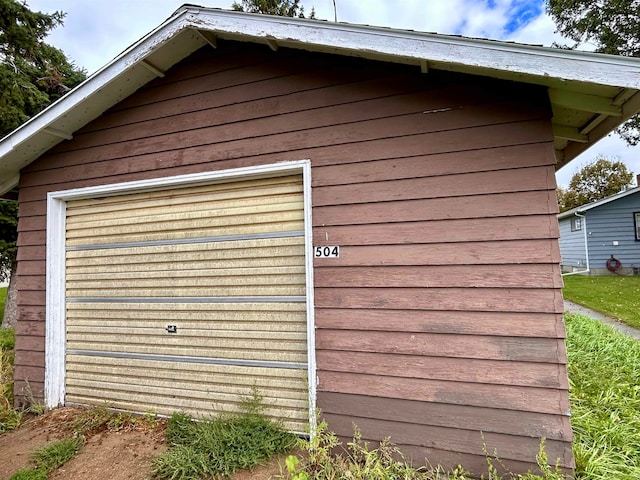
{"x": 409, "y": 14}
{"x": 540, "y": 31}
{"x": 95, "y": 32}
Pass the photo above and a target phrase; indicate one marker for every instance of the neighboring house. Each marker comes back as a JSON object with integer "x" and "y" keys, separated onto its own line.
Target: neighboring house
{"x": 603, "y": 235}
{"x": 172, "y": 205}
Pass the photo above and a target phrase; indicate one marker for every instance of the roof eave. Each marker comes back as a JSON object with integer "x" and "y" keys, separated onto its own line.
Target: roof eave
{"x": 181, "y": 34}
{"x": 529, "y": 60}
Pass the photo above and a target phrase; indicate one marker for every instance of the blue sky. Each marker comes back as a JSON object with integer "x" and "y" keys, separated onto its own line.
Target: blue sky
{"x": 520, "y": 14}
{"x": 96, "y": 31}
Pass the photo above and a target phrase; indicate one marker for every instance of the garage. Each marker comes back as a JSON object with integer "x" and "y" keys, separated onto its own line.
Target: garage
{"x": 169, "y": 257}
{"x": 189, "y": 299}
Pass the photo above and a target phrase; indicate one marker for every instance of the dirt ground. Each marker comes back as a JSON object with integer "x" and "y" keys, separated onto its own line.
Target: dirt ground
{"x": 106, "y": 455}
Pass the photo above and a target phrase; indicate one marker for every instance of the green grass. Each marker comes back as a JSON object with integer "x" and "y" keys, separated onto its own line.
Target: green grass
{"x": 3, "y": 297}
{"x": 217, "y": 447}
{"x": 30, "y": 474}
{"x": 56, "y": 454}
{"x": 49, "y": 458}
{"x": 604, "y": 372}
{"x": 617, "y": 297}
{"x": 9, "y": 418}
{"x": 7, "y": 338}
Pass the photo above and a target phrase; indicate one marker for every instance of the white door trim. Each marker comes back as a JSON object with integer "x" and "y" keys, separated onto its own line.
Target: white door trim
{"x": 55, "y": 342}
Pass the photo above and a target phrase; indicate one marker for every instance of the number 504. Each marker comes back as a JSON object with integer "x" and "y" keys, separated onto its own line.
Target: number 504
{"x": 326, "y": 252}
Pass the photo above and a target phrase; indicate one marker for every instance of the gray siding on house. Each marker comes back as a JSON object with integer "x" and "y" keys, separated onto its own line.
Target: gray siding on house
{"x": 612, "y": 222}
{"x": 571, "y": 246}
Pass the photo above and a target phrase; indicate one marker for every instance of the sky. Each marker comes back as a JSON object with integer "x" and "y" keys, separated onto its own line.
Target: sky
{"x": 96, "y": 31}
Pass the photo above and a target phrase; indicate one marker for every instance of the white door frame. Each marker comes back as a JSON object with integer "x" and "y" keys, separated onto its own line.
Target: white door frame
{"x": 55, "y": 343}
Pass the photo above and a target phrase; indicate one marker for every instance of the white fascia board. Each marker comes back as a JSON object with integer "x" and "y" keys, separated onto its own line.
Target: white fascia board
{"x": 535, "y": 61}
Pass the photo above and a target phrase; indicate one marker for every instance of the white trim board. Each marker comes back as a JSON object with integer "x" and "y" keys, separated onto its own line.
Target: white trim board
{"x": 55, "y": 338}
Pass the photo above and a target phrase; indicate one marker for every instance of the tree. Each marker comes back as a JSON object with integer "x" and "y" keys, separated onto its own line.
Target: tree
{"x": 8, "y": 237}
{"x": 595, "y": 181}
{"x": 33, "y": 74}
{"x": 283, "y": 8}
{"x": 613, "y": 26}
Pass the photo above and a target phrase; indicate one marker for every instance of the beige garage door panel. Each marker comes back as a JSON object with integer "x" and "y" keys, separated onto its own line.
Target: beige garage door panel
{"x": 276, "y": 350}
{"x": 268, "y": 317}
{"x": 249, "y": 223}
{"x": 187, "y": 299}
{"x": 290, "y": 383}
{"x": 186, "y": 291}
{"x": 211, "y": 388}
{"x": 186, "y": 213}
{"x": 144, "y": 202}
{"x": 263, "y": 253}
{"x": 214, "y": 276}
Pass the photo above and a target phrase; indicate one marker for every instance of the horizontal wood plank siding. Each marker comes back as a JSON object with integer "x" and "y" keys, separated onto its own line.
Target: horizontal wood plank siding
{"x": 442, "y": 317}
{"x": 446, "y": 415}
{"x": 508, "y": 324}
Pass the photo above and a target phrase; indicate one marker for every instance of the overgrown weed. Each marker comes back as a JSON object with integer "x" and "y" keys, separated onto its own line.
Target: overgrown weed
{"x": 9, "y": 417}
{"x": 96, "y": 419}
{"x": 217, "y": 447}
{"x": 3, "y": 300}
{"x": 92, "y": 420}
{"x": 323, "y": 459}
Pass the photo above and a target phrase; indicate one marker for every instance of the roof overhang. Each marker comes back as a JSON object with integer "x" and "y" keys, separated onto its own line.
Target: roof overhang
{"x": 591, "y": 94}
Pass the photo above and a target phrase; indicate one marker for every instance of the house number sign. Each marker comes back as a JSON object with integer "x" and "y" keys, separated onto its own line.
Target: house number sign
{"x": 326, "y": 251}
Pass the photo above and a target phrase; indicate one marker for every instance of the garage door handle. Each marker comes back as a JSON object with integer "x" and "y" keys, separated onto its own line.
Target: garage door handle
{"x": 172, "y": 329}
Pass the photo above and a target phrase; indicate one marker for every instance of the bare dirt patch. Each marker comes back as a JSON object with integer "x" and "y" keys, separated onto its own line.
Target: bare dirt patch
{"x": 108, "y": 455}
{"x": 270, "y": 470}
{"x": 16, "y": 446}
{"x": 125, "y": 454}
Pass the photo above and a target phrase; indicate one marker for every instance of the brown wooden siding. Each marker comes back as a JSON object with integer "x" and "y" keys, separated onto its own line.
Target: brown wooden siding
{"x": 441, "y": 320}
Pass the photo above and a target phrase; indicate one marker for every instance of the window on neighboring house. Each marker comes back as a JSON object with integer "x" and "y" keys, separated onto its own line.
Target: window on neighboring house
{"x": 576, "y": 223}
{"x": 636, "y": 224}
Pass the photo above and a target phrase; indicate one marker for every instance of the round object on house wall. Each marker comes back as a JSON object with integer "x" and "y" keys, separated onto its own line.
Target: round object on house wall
{"x": 613, "y": 264}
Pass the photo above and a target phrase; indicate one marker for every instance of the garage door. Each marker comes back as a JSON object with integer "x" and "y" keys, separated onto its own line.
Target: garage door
{"x": 189, "y": 299}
